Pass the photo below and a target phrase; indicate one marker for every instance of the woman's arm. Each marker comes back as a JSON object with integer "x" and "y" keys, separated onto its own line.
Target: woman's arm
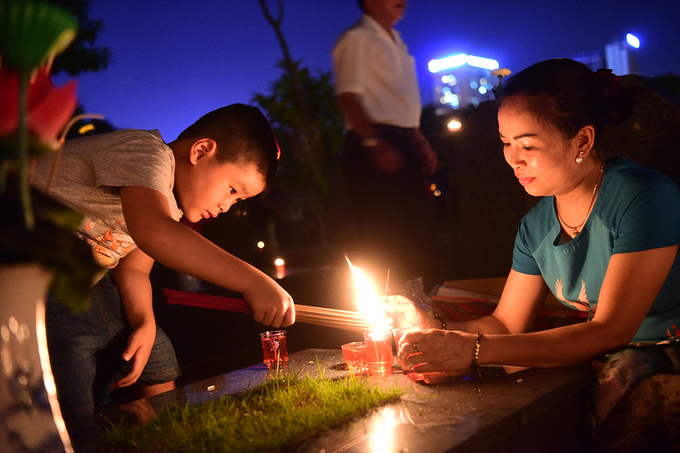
{"x": 452, "y": 350}
{"x": 522, "y": 296}
{"x": 630, "y": 286}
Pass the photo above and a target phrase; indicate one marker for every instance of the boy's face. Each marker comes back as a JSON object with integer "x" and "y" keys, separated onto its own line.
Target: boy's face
{"x": 213, "y": 188}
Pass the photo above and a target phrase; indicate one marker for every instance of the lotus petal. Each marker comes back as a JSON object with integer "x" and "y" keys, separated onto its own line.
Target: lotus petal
{"x": 9, "y": 100}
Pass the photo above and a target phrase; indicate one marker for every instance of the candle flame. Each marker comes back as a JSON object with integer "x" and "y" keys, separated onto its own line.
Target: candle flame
{"x": 366, "y": 299}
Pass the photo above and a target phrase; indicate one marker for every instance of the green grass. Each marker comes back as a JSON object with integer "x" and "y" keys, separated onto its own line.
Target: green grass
{"x": 279, "y": 413}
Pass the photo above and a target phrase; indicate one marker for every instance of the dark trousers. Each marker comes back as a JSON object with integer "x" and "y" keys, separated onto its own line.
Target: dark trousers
{"x": 85, "y": 353}
{"x": 385, "y": 221}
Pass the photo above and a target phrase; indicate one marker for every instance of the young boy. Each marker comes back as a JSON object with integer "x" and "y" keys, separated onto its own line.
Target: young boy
{"x": 133, "y": 189}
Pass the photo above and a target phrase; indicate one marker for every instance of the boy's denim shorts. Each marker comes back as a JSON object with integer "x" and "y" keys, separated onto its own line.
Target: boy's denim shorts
{"x": 86, "y": 351}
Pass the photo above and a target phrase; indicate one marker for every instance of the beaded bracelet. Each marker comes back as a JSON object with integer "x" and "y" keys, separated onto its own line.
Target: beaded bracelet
{"x": 474, "y": 366}
{"x": 441, "y": 319}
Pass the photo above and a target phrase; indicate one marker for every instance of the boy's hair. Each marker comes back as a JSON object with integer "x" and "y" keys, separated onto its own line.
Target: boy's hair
{"x": 243, "y": 136}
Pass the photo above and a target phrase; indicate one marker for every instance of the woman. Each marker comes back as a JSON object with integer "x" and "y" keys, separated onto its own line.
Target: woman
{"x": 603, "y": 239}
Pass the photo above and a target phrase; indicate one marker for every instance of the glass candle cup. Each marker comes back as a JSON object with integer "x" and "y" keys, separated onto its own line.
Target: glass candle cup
{"x": 379, "y": 356}
{"x": 274, "y": 349}
{"x": 355, "y": 356}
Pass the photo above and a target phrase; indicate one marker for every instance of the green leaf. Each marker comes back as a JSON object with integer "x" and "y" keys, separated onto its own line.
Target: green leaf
{"x": 33, "y": 31}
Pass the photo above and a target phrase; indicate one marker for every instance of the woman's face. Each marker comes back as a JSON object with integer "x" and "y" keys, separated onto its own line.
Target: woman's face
{"x": 542, "y": 159}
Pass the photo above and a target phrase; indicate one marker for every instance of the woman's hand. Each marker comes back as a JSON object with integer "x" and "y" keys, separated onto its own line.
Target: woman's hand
{"x": 407, "y": 314}
{"x": 433, "y": 350}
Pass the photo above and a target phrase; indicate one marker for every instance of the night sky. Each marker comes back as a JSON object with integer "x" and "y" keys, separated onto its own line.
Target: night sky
{"x": 175, "y": 60}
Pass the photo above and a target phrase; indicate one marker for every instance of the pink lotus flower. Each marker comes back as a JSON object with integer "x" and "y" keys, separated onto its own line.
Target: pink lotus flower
{"x": 49, "y": 107}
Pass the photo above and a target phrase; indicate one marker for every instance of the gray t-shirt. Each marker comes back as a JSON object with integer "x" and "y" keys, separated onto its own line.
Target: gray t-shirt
{"x": 89, "y": 176}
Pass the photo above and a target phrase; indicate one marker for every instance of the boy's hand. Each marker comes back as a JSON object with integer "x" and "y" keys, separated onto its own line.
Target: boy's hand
{"x": 271, "y": 304}
{"x": 138, "y": 350}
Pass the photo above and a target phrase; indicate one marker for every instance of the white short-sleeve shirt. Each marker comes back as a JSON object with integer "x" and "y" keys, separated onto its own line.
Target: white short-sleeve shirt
{"x": 376, "y": 65}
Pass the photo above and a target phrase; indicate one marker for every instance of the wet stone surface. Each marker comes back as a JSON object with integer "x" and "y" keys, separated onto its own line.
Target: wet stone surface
{"x": 528, "y": 410}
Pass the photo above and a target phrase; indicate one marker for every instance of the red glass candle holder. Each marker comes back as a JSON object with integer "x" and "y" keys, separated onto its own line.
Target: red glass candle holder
{"x": 355, "y": 356}
{"x": 379, "y": 356}
{"x": 274, "y": 349}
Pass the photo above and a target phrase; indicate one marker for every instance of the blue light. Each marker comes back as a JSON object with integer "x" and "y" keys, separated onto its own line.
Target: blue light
{"x": 633, "y": 41}
{"x": 446, "y": 63}
{"x": 459, "y": 60}
{"x": 484, "y": 63}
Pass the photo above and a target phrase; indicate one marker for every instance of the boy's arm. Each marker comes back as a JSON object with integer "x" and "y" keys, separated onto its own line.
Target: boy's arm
{"x": 132, "y": 277}
{"x": 178, "y": 247}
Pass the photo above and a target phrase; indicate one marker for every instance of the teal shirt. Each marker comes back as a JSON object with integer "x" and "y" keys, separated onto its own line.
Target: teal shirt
{"x": 636, "y": 209}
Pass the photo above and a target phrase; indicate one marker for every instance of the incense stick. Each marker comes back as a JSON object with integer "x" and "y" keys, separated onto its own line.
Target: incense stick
{"x": 387, "y": 282}
{"x": 308, "y": 314}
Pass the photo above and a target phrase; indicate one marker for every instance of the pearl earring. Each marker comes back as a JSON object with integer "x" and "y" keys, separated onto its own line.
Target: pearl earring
{"x": 579, "y": 158}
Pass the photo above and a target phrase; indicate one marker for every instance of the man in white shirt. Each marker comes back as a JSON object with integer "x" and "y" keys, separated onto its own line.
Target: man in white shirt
{"x": 384, "y": 155}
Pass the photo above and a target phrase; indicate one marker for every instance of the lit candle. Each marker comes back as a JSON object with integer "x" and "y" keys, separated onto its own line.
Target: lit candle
{"x": 366, "y": 299}
{"x": 280, "y": 267}
{"x": 379, "y": 356}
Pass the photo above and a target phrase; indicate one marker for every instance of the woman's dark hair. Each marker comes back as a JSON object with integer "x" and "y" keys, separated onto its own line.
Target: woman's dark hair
{"x": 569, "y": 95}
{"x": 243, "y": 136}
